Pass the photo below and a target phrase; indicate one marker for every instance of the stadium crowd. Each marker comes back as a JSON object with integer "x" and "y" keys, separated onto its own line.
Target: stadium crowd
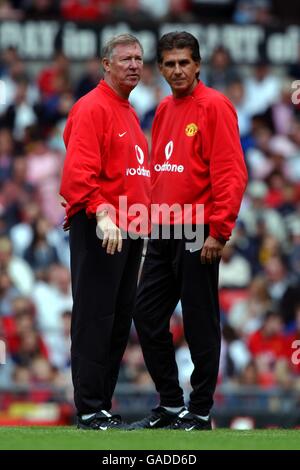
{"x": 264, "y": 12}
{"x": 260, "y": 269}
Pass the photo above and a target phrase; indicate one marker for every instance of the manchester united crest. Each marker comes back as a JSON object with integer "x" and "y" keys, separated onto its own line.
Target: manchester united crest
{"x": 191, "y": 129}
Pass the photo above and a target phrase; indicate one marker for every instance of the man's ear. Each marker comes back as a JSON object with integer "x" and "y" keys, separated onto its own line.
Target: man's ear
{"x": 160, "y": 67}
{"x": 106, "y": 64}
{"x": 198, "y": 67}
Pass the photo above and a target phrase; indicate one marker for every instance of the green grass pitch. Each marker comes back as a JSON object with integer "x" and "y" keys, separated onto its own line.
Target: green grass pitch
{"x": 50, "y": 438}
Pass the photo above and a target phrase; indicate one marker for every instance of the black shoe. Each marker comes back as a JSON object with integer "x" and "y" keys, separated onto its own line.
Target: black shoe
{"x": 101, "y": 422}
{"x": 188, "y": 421}
{"x": 159, "y": 418}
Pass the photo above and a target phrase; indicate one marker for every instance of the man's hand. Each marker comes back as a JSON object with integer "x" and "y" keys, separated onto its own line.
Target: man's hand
{"x": 112, "y": 238}
{"x": 211, "y": 250}
{"x": 66, "y": 223}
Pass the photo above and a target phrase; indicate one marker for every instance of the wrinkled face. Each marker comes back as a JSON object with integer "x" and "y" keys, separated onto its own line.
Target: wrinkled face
{"x": 180, "y": 70}
{"x": 123, "y": 70}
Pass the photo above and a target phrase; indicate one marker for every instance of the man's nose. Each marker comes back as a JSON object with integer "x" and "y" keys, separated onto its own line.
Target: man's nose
{"x": 133, "y": 63}
{"x": 177, "y": 69}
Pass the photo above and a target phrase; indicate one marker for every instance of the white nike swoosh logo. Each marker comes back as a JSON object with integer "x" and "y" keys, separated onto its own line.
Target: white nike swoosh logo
{"x": 121, "y": 135}
{"x": 153, "y": 423}
{"x": 104, "y": 428}
{"x": 192, "y": 250}
{"x": 189, "y": 429}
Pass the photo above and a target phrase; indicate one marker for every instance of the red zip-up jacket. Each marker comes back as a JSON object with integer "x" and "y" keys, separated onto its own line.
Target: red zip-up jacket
{"x": 107, "y": 156}
{"x": 197, "y": 159}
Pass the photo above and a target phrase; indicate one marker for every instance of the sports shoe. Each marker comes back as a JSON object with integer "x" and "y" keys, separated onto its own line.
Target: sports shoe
{"x": 188, "y": 421}
{"x": 101, "y": 421}
{"x": 159, "y": 418}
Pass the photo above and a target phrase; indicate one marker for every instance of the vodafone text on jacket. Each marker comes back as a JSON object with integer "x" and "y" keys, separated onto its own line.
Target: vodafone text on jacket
{"x": 141, "y": 171}
{"x": 172, "y": 168}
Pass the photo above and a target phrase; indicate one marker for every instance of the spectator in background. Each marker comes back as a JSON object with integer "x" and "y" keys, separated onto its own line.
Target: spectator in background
{"x": 9, "y": 12}
{"x": 16, "y": 74}
{"x": 8, "y": 56}
{"x": 235, "y": 271}
{"x": 6, "y": 154}
{"x": 276, "y": 183}
{"x": 277, "y": 277}
{"x": 148, "y": 117}
{"x": 268, "y": 348}
{"x": 282, "y": 152}
{"x": 89, "y": 79}
{"x": 256, "y": 213}
{"x": 262, "y": 89}
{"x": 43, "y": 172}
{"x": 40, "y": 254}
{"x": 16, "y": 192}
{"x": 289, "y": 302}
{"x": 52, "y": 298}
{"x": 161, "y": 10}
{"x": 52, "y": 110}
{"x": 48, "y": 77}
{"x": 221, "y": 72}
{"x": 246, "y": 316}
{"x": 294, "y": 254}
{"x": 30, "y": 347}
{"x": 20, "y": 114}
{"x": 42, "y": 9}
{"x": 143, "y": 97}
{"x": 21, "y": 321}
{"x": 59, "y": 118}
{"x": 234, "y": 354}
{"x": 253, "y": 11}
{"x": 21, "y": 233}
{"x": 235, "y": 91}
{"x": 269, "y": 247}
{"x": 8, "y": 292}
{"x": 18, "y": 270}
{"x": 283, "y": 110}
{"x": 248, "y": 377}
{"x": 256, "y": 149}
{"x": 83, "y": 10}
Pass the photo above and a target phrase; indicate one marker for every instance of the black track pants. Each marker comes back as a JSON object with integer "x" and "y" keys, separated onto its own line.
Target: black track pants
{"x": 170, "y": 273}
{"x": 104, "y": 292}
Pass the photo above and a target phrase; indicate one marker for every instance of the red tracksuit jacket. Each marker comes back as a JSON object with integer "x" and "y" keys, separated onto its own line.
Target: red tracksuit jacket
{"x": 197, "y": 158}
{"x": 107, "y": 155}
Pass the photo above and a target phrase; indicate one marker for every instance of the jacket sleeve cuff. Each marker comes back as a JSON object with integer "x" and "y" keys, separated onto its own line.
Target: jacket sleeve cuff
{"x": 217, "y": 236}
{"x": 92, "y": 209}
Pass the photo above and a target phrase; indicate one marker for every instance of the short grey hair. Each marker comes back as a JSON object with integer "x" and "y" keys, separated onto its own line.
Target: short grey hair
{"x": 108, "y": 48}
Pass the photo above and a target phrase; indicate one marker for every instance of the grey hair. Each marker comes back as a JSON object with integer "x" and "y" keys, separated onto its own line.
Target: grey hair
{"x": 108, "y": 48}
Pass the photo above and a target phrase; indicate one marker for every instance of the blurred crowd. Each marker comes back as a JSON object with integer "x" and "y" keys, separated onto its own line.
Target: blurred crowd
{"x": 265, "y": 12}
{"x": 260, "y": 269}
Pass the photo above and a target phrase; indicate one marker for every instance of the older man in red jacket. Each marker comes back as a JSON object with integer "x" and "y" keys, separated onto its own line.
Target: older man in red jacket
{"x": 106, "y": 159}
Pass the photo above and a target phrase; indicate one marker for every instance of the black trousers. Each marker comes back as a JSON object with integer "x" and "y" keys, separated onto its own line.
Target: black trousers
{"x": 170, "y": 273}
{"x": 104, "y": 292}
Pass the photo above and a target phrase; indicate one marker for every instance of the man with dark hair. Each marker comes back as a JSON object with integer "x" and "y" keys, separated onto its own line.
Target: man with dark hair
{"x": 196, "y": 161}
{"x": 179, "y": 40}
{"x": 106, "y": 159}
